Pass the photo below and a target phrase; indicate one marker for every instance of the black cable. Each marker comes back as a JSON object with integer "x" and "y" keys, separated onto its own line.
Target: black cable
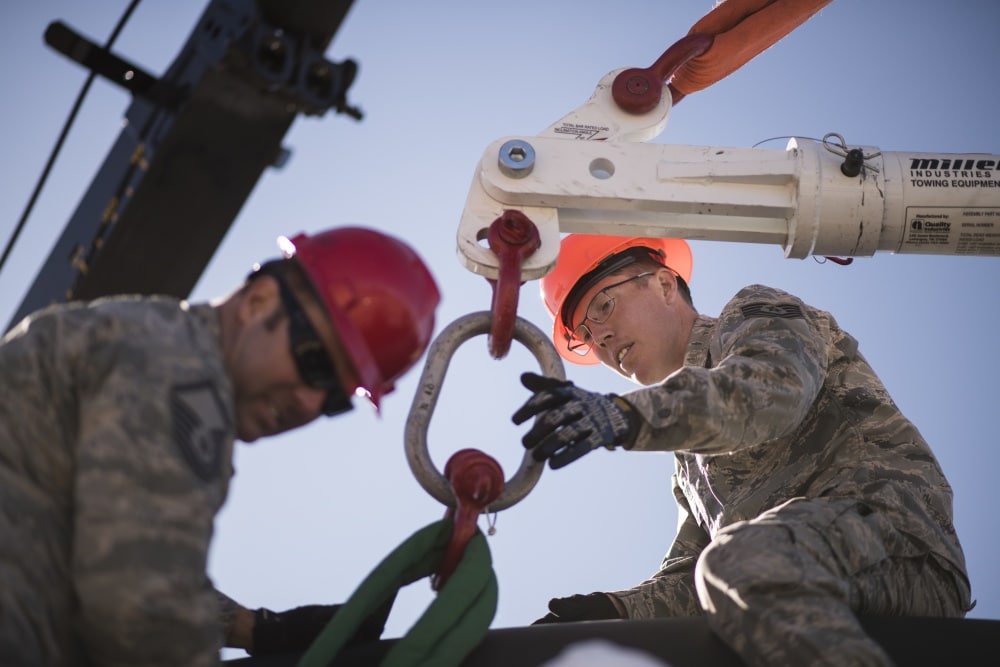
{"x": 62, "y": 137}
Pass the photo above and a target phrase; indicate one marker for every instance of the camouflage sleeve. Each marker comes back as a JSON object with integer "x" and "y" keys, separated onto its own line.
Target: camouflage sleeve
{"x": 142, "y": 519}
{"x": 228, "y": 609}
{"x": 671, "y": 591}
{"x": 769, "y": 364}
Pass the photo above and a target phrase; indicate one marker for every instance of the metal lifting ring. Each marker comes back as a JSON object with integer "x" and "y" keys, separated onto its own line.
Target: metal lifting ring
{"x": 417, "y": 422}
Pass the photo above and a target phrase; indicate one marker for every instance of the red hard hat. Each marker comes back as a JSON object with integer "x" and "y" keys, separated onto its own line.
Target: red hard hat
{"x": 380, "y": 298}
{"x": 579, "y": 254}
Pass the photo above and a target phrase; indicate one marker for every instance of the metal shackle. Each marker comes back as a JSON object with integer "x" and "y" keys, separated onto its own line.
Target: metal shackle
{"x": 417, "y": 422}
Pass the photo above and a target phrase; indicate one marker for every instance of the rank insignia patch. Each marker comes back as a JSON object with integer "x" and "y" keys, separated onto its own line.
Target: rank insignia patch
{"x": 201, "y": 425}
{"x": 789, "y": 311}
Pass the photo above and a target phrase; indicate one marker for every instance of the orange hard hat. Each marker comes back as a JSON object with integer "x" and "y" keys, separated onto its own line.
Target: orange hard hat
{"x": 380, "y": 298}
{"x": 584, "y": 256}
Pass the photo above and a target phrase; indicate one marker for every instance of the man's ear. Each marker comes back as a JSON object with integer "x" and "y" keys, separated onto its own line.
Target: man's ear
{"x": 668, "y": 283}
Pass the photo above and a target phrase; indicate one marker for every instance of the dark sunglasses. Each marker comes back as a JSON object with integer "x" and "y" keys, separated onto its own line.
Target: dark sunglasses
{"x": 311, "y": 358}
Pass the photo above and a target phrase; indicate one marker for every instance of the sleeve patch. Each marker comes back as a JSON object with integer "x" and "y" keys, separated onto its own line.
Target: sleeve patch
{"x": 200, "y": 426}
{"x": 788, "y": 311}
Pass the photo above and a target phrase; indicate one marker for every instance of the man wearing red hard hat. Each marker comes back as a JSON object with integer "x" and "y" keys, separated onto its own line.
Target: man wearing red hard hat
{"x": 116, "y": 444}
{"x": 805, "y": 496}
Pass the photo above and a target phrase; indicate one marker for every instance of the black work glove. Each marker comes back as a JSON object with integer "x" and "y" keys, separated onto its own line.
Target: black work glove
{"x": 293, "y": 631}
{"x": 593, "y": 607}
{"x": 569, "y": 421}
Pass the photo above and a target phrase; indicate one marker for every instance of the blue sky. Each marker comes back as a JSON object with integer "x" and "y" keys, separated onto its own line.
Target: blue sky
{"x": 311, "y": 513}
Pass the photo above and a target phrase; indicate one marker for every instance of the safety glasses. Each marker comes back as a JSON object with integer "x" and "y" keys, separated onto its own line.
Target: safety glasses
{"x": 598, "y": 310}
{"x": 311, "y": 359}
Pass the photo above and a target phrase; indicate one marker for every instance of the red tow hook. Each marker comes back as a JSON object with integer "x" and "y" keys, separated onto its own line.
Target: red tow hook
{"x": 638, "y": 90}
{"x": 477, "y": 480}
{"x": 513, "y": 238}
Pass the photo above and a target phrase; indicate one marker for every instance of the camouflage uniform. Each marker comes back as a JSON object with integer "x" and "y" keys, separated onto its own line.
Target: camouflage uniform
{"x": 116, "y": 433}
{"x": 805, "y": 495}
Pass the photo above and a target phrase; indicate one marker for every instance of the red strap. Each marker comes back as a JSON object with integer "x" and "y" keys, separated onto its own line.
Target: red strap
{"x": 742, "y": 29}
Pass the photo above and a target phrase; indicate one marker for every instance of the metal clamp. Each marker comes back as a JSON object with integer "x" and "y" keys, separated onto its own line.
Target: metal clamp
{"x": 513, "y": 238}
{"x": 638, "y": 90}
{"x": 417, "y": 422}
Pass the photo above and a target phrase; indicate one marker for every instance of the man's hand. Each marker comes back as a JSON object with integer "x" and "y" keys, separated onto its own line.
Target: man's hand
{"x": 569, "y": 421}
{"x": 289, "y": 631}
{"x": 593, "y": 607}
{"x": 293, "y": 631}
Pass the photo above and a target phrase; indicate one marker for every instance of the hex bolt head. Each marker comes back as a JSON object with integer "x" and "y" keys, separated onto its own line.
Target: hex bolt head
{"x": 516, "y": 158}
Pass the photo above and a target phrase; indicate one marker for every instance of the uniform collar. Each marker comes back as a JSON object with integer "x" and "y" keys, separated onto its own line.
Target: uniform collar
{"x": 209, "y": 316}
{"x": 697, "y": 349}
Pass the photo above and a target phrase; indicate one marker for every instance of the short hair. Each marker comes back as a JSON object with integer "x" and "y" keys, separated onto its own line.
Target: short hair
{"x": 289, "y": 272}
{"x": 682, "y": 286}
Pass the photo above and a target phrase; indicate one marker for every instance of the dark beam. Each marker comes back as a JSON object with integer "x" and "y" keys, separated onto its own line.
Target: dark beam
{"x": 194, "y": 145}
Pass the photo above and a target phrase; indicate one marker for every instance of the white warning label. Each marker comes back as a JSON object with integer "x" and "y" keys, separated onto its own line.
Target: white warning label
{"x": 951, "y": 231}
{"x": 582, "y": 131}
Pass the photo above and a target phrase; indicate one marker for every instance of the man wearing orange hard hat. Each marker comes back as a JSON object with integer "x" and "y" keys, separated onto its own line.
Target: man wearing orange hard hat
{"x": 116, "y": 442}
{"x": 805, "y": 496}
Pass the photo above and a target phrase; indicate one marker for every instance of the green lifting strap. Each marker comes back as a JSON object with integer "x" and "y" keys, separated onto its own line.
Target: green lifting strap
{"x": 453, "y": 625}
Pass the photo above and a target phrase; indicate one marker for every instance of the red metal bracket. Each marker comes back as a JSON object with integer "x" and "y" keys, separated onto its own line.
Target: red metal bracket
{"x": 638, "y": 90}
{"x": 477, "y": 480}
{"x": 513, "y": 238}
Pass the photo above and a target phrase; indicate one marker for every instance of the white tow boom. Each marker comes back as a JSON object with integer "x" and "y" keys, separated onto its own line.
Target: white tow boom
{"x": 590, "y": 173}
